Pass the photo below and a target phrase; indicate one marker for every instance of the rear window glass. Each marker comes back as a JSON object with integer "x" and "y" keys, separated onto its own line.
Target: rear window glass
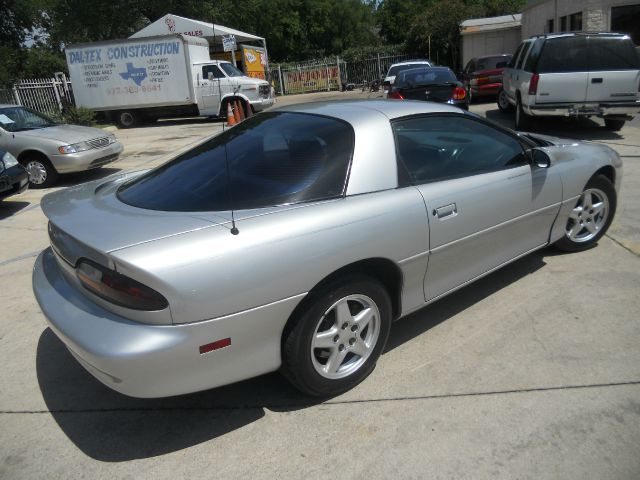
{"x": 393, "y": 71}
{"x": 425, "y": 76}
{"x": 491, "y": 63}
{"x": 612, "y": 53}
{"x": 274, "y": 159}
{"x": 564, "y": 54}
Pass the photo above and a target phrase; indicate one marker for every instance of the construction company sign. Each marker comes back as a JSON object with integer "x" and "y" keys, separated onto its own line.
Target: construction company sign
{"x": 129, "y": 73}
{"x": 254, "y": 61}
{"x": 311, "y": 79}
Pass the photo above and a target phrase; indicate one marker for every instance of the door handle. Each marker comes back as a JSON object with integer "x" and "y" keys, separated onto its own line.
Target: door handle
{"x": 448, "y": 211}
{"x": 596, "y": 80}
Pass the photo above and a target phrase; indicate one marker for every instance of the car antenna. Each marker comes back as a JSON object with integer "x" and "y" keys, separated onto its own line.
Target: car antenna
{"x": 234, "y": 229}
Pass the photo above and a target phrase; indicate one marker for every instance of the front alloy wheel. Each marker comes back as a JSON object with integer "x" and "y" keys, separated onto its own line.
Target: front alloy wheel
{"x": 335, "y": 339}
{"x": 591, "y": 216}
{"x": 41, "y": 173}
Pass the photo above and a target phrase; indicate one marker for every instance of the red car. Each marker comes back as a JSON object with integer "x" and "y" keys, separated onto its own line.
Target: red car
{"x": 483, "y": 75}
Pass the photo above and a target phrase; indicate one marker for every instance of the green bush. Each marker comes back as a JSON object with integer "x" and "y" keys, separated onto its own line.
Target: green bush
{"x": 79, "y": 116}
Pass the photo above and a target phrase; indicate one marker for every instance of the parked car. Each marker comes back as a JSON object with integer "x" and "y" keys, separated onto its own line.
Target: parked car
{"x": 46, "y": 148}
{"x": 13, "y": 177}
{"x": 433, "y": 84}
{"x": 394, "y": 69}
{"x": 573, "y": 75}
{"x": 293, "y": 240}
{"x": 482, "y": 77}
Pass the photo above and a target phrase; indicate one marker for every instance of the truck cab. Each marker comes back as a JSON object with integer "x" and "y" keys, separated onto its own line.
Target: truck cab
{"x": 218, "y": 81}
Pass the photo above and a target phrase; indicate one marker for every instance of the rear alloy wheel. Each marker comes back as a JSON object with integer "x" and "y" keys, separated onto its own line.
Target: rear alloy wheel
{"x": 591, "y": 216}
{"x": 613, "y": 124}
{"x": 334, "y": 344}
{"x": 41, "y": 172}
{"x": 503, "y": 102}
{"x": 523, "y": 121}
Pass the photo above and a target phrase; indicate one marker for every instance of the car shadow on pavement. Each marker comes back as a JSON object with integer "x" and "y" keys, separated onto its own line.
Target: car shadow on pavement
{"x": 11, "y": 207}
{"x": 111, "y": 427}
{"x": 430, "y": 316}
{"x": 579, "y": 129}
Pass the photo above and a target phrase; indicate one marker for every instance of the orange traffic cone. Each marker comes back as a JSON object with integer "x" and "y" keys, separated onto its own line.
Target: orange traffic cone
{"x": 236, "y": 113}
{"x": 249, "y": 111}
{"x": 231, "y": 120}
{"x": 240, "y": 109}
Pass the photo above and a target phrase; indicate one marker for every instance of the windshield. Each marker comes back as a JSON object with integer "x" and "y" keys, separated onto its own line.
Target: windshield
{"x": 393, "y": 71}
{"x": 230, "y": 70}
{"x": 17, "y": 119}
{"x": 273, "y": 158}
{"x": 491, "y": 63}
{"x": 425, "y": 76}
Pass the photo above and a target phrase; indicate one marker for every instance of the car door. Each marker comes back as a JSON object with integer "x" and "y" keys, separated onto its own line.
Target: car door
{"x": 210, "y": 89}
{"x": 487, "y": 204}
{"x": 563, "y": 69}
{"x": 509, "y": 74}
{"x": 613, "y": 69}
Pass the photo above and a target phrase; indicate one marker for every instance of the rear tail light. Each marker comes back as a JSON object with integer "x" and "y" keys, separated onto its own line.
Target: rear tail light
{"x": 395, "y": 94}
{"x": 459, "y": 93}
{"x": 482, "y": 80}
{"x": 117, "y": 288}
{"x": 533, "y": 84}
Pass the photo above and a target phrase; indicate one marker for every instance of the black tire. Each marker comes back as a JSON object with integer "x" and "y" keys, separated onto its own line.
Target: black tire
{"x": 42, "y": 174}
{"x": 297, "y": 363}
{"x": 523, "y": 121}
{"x": 613, "y": 124}
{"x": 503, "y": 102}
{"x": 601, "y": 185}
{"x": 127, "y": 119}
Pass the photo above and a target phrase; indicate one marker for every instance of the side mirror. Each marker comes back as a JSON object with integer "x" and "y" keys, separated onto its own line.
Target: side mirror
{"x": 540, "y": 158}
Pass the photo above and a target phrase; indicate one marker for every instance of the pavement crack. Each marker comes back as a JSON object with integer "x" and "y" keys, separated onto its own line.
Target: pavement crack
{"x": 298, "y": 405}
{"x": 620, "y": 244}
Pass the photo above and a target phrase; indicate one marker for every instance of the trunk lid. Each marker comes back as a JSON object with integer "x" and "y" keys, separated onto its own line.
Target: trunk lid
{"x": 93, "y": 215}
{"x": 433, "y": 93}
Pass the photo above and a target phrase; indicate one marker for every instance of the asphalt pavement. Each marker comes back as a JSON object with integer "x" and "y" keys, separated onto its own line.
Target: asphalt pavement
{"x": 530, "y": 373}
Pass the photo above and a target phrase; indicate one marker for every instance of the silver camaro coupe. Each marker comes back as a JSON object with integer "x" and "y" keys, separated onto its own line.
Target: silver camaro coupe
{"x": 293, "y": 240}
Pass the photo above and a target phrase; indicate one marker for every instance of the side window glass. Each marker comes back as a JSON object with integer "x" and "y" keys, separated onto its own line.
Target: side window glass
{"x": 435, "y": 147}
{"x": 532, "y": 59}
{"x": 514, "y": 59}
{"x": 206, "y": 69}
{"x": 523, "y": 55}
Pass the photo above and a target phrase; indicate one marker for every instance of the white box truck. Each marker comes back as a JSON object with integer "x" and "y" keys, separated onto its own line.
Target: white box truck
{"x": 165, "y": 76}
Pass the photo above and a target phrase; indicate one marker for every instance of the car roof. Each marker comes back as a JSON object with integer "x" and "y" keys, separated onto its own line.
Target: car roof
{"x": 354, "y": 111}
{"x": 493, "y": 56}
{"x": 578, "y": 34}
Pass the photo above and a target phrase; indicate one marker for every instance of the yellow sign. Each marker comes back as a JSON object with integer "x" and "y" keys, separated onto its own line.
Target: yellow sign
{"x": 312, "y": 79}
{"x": 254, "y": 60}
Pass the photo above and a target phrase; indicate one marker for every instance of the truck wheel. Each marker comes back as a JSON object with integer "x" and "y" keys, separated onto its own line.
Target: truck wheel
{"x": 503, "y": 102}
{"x": 523, "y": 121}
{"x": 613, "y": 124}
{"x": 126, "y": 119}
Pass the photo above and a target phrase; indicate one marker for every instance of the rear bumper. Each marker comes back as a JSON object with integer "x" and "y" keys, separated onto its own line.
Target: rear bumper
{"x": 482, "y": 90}
{"x": 584, "y": 109}
{"x": 94, "y": 158}
{"x": 148, "y": 361}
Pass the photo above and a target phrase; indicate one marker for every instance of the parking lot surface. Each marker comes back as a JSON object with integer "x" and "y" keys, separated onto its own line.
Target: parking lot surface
{"x": 531, "y": 372}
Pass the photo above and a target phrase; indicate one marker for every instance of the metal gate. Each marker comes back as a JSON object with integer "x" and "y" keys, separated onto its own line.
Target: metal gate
{"x": 47, "y": 95}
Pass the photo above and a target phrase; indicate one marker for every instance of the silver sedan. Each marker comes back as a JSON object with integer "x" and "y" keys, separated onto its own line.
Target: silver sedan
{"x": 293, "y": 240}
{"x": 46, "y": 148}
